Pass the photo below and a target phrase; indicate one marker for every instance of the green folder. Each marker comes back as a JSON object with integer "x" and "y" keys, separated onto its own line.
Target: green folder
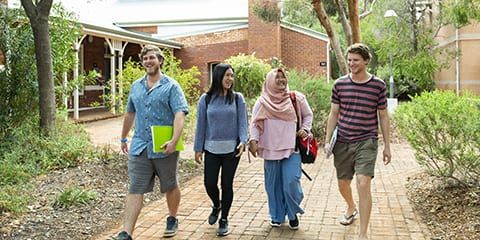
{"x": 162, "y": 134}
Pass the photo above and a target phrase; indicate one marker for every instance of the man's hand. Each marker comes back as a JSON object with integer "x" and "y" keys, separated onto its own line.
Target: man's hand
{"x": 241, "y": 149}
{"x": 253, "y": 147}
{"x": 387, "y": 156}
{"x": 198, "y": 157}
{"x": 326, "y": 147}
{"x": 124, "y": 147}
{"x": 169, "y": 147}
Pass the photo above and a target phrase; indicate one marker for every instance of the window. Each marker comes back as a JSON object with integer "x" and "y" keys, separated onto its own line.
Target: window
{"x": 211, "y": 66}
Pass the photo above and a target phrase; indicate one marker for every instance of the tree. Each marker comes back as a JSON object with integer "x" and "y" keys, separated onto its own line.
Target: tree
{"x": 323, "y": 11}
{"x": 38, "y": 12}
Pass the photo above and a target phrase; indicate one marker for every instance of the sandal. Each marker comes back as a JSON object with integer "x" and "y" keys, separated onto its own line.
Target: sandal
{"x": 347, "y": 220}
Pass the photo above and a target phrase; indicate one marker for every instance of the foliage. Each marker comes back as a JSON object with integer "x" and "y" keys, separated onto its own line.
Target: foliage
{"x": 445, "y": 132}
{"x": 267, "y": 11}
{"x": 19, "y": 96}
{"x": 64, "y": 31}
{"x": 301, "y": 12}
{"x": 19, "y": 88}
{"x": 460, "y": 12}
{"x": 12, "y": 199}
{"x": 187, "y": 78}
{"x": 74, "y": 196}
{"x": 317, "y": 92}
{"x": 25, "y": 154}
{"x": 413, "y": 68}
{"x": 250, "y": 73}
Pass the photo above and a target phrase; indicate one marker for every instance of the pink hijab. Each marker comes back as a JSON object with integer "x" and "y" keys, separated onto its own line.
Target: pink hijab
{"x": 275, "y": 103}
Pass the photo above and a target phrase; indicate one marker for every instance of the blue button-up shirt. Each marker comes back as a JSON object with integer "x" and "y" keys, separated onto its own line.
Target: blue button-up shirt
{"x": 156, "y": 106}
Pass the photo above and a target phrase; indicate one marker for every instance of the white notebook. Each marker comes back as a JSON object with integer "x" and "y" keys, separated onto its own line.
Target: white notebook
{"x": 333, "y": 140}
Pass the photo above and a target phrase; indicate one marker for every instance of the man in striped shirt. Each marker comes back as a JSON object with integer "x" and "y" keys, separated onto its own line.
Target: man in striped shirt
{"x": 358, "y": 101}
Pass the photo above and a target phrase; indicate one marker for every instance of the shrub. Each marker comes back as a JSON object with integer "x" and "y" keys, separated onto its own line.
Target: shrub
{"x": 12, "y": 199}
{"x": 318, "y": 92}
{"x": 250, "y": 73}
{"x": 444, "y": 130}
{"x": 187, "y": 78}
{"x": 73, "y": 196}
{"x": 26, "y": 154}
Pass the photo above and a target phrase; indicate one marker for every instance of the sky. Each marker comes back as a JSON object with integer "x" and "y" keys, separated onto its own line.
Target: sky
{"x": 101, "y": 12}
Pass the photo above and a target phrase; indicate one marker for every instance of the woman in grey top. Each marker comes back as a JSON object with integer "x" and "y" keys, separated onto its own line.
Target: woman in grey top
{"x": 221, "y": 134}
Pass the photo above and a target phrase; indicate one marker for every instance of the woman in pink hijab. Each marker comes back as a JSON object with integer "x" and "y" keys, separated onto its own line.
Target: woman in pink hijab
{"x": 272, "y": 137}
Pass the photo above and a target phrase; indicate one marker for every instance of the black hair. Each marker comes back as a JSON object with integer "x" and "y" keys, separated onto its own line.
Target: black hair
{"x": 216, "y": 87}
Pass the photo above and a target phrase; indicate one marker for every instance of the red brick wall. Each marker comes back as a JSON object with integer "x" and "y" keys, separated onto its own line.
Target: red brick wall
{"x": 263, "y": 39}
{"x": 146, "y": 29}
{"x": 201, "y": 56}
{"x": 214, "y": 38}
{"x": 303, "y": 52}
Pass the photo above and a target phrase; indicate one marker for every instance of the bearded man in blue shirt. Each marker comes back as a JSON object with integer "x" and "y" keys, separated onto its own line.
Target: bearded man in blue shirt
{"x": 155, "y": 99}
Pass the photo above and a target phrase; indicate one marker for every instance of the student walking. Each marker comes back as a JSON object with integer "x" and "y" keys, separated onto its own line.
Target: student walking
{"x": 358, "y": 101}
{"x": 221, "y": 135}
{"x": 155, "y": 99}
{"x": 272, "y": 137}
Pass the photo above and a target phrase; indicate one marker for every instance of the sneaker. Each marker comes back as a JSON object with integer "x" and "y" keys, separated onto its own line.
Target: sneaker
{"x": 172, "y": 226}
{"x": 212, "y": 219}
{"x": 275, "y": 223}
{"x": 223, "y": 228}
{"x": 293, "y": 224}
{"x": 123, "y": 236}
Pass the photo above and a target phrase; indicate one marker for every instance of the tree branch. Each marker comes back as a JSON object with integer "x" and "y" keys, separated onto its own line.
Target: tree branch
{"x": 29, "y": 8}
{"x": 345, "y": 25}
{"x": 365, "y": 12}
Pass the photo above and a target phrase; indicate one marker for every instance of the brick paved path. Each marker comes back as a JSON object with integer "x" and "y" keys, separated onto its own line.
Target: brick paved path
{"x": 392, "y": 215}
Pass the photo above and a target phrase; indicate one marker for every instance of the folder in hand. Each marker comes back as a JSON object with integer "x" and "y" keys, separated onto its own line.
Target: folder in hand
{"x": 161, "y": 135}
{"x": 332, "y": 142}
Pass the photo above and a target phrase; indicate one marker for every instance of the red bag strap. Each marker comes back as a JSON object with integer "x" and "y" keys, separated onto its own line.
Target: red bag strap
{"x": 293, "y": 98}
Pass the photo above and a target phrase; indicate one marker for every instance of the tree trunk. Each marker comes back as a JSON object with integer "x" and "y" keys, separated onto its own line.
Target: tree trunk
{"x": 354, "y": 20}
{"x": 325, "y": 21}
{"x": 347, "y": 30}
{"x": 38, "y": 16}
{"x": 414, "y": 24}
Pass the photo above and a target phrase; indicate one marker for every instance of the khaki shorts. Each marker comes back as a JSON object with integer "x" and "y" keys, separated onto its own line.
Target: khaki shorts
{"x": 142, "y": 172}
{"x": 357, "y": 157}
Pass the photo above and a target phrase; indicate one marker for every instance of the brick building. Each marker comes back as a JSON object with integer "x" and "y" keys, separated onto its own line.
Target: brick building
{"x": 209, "y": 41}
{"x": 207, "y": 33}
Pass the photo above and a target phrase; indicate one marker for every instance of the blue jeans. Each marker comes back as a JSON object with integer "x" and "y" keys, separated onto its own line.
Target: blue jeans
{"x": 284, "y": 191}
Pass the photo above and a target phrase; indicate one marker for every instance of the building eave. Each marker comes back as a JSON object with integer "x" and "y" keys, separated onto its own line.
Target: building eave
{"x": 183, "y": 22}
{"x": 304, "y": 30}
{"x": 129, "y": 36}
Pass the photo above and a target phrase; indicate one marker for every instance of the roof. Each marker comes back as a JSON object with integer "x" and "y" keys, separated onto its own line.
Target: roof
{"x": 125, "y": 35}
{"x": 175, "y": 18}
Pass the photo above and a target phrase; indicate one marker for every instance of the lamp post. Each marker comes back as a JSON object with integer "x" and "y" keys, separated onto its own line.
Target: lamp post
{"x": 391, "y": 101}
{"x": 391, "y": 14}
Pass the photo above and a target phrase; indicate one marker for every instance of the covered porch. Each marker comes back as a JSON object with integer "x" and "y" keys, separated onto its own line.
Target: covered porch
{"x": 105, "y": 49}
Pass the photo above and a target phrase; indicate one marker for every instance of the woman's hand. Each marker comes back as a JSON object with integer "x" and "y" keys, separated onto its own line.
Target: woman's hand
{"x": 302, "y": 133}
{"x": 241, "y": 149}
{"x": 198, "y": 157}
{"x": 253, "y": 147}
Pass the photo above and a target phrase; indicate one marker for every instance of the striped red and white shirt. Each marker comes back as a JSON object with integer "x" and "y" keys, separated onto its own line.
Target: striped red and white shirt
{"x": 359, "y": 103}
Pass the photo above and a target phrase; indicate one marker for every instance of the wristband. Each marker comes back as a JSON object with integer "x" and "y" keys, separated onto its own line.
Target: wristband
{"x": 124, "y": 140}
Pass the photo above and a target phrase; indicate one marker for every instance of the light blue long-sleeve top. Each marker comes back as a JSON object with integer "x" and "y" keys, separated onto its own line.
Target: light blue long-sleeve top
{"x": 220, "y": 125}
